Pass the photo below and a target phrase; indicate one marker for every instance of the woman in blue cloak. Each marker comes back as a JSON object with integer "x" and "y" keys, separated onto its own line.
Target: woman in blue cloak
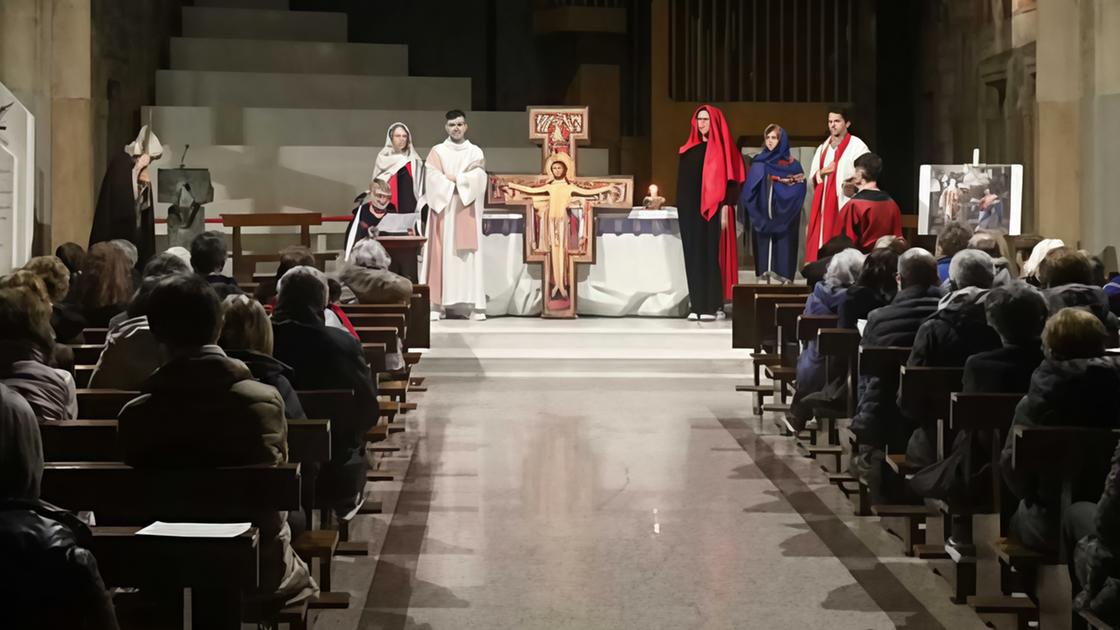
{"x": 772, "y": 199}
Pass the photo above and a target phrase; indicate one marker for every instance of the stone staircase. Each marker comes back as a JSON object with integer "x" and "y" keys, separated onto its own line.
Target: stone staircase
{"x": 289, "y": 116}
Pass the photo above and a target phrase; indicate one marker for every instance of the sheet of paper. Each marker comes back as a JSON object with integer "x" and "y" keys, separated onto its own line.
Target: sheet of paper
{"x": 393, "y": 223}
{"x": 861, "y": 324}
{"x": 195, "y": 530}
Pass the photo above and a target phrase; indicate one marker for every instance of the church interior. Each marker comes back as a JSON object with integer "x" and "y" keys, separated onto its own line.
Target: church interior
{"x": 352, "y": 315}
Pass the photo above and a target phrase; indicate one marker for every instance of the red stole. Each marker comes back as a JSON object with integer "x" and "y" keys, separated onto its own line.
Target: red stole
{"x": 393, "y": 183}
{"x": 728, "y": 251}
{"x": 823, "y": 223}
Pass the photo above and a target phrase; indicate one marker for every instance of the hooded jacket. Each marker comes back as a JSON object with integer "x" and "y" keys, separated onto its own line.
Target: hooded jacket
{"x": 1095, "y": 558}
{"x": 878, "y": 422}
{"x": 130, "y": 356}
{"x": 825, "y": 300}
{"x": 958, "y": 329}
{"x": 1092, "y": 298}
{"x": 272, "y": 372}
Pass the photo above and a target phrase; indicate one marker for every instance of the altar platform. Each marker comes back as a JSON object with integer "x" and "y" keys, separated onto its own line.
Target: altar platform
{"x": 603, "y": 347}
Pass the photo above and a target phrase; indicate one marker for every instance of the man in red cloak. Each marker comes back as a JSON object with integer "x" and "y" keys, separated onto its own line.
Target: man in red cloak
{"x": 708, "y": 179}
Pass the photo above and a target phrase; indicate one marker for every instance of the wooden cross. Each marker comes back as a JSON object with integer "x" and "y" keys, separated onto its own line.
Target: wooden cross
{"x": 559, "y": 130}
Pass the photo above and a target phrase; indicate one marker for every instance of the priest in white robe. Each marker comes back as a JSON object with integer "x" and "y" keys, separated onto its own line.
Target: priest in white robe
{"x": 832, "y": 165}
{"x": 455, "y": 187}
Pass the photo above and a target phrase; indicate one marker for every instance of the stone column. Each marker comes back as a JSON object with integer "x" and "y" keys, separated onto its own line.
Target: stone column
{"x": 1100, "y": 155}
{"x": 1059, "y": 88}
{"x": 71, "y": 124}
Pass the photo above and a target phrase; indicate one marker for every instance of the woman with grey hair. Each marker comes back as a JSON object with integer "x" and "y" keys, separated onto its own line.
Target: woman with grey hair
{"x": 366, "y": 278}
{"x": 828, "y": 294}
{"x": 326, "y": 358}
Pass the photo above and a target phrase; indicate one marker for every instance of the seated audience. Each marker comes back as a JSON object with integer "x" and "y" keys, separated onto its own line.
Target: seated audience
{"x": 992, "y": 244}
{"x": 180, "y": 252}
{"x": 958, "y": 329}
{"x": 133, "y": 256}
{"x": 26, "y": 345}
{"x": 1017, "y": 312}
{"x": 208, "y": 258}
{"x": 327, "y": 358}
{"x": 952, "y": 239}
{"x": 878, "y": 423}
{"x": 814, "y": 271}
{"x": 290, "y": 257}
{"x": 204, "y": 409}
{"x": 105, "y": 286}
{"x": 131, "y": 352}
{"x": 1066, "y": 276}
{"x": 1029, "y": 271}
{"x": 871, "y": 213}
{"x": 1092, "y": 531}
{"x": 49, "y": 578}
{"x": 247, "y": 337}
{"x": 876, "y": 286}
{"x": 826, "y": 298}
{"x": 1075, "y": 385}
{"x": 72, "y": 255}
{"x": 66, "y": 320}
{"x": 367, "y": 279}
{"x": 334, "y": 315}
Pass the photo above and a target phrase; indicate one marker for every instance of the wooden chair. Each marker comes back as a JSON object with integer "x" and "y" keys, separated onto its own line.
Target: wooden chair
{"x": 244, "y": 264}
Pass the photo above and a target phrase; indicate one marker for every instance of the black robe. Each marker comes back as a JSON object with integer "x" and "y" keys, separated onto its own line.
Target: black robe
{"x": 115, "y": 216}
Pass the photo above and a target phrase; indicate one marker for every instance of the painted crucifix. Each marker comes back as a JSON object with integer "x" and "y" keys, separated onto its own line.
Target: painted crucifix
{"x": 559, "y": 206}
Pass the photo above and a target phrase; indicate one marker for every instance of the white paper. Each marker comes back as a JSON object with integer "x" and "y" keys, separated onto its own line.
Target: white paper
{"x": 393, "y": 223}
{"x": 195, "y": 530}
{"x": 861, "y": 324}
{"x": 644, "y": 213}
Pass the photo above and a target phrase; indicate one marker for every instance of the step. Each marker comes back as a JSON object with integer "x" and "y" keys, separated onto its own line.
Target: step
{"x": 241, "y": 23}
{"x": 254, "y": 55}
{"x": 231, "y": 125}
{"x": 318, "y": 179}
{"x": 578, "y": 336}
{"x": 621, "y": 365}
{"x": 274, "y": 5}
{"x": 325, "y": 91}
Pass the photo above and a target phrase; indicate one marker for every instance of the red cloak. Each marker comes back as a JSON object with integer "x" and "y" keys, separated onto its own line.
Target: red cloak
{"x": 723, "y": 166}
{"x": 824, "y": 222}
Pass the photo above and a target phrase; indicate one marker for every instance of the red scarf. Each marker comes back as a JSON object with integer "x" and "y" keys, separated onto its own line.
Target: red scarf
{"x": 824, "y": 219}
{"x": 723, "y": 164}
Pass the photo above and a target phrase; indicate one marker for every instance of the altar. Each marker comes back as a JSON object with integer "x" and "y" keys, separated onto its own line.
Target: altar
{"x": 638, "y": 268}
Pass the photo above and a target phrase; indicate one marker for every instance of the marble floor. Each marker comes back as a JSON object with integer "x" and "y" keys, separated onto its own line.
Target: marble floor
{"x": 557, "y": 499}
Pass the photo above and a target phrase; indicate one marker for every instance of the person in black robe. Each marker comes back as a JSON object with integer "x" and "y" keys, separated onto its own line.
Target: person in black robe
{"x": 125, "y": 203}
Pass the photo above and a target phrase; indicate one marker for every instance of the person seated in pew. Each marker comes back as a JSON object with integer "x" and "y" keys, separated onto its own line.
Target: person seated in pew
{"x": 814, "y": 271}
{"x": 247, "y": 337}
{"x": 366, "y": 277}
{"x": 49, "y": 578}
{"x": 1074, "y": 386}
{"x": 61, "y": 356}
{"x": 1017, "y": 312}
{"x": 990, "y": 243}
{"x": 131, "y": 352}
{"x": 26, "y": 348}
{"x": 290, "y": 257}
{"x": 1029, "y": 272}
{"x": 333, "y": 315}
{"x": 66, "y": 319}
{"x": 876, "y": 286}
{"x": 958, "y": 329}
{"x": 827, "y": 295}
{"x": 327, "y": 358}
{"x": 105, "y": 285}
{"x": 72, "y": 255}
{"x": 208, "y": 259}
{"x": 202, "y": 409}
{"x": 878, "y": 421}
{"x": 952, "y": 239}
{"x": 1066, "y": 277}
{"x": 1092, "y": 531}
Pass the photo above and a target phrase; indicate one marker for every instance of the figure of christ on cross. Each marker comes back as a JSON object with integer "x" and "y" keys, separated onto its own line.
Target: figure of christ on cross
{"x": 551, "y": 202}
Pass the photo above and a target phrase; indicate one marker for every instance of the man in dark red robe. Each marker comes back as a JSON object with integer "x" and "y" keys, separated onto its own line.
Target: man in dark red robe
{"x": 870, "y": 213}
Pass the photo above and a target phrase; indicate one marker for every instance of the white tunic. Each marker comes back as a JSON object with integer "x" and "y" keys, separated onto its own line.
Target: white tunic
{"x": 458, "y": 278}
{"x": 844, "y": 169}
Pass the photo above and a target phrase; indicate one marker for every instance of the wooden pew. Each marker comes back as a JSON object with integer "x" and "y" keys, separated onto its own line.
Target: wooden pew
{"x": 131, "y": 496}
{"x": 765, "y": 339}
{"x": 1080, "y": 457}
{"x": 245, "y": 264}
{"x": 380, "y": 320}
{"x": 224, "y": 568}
{"x": 375, "y": 357}
{"x": 742, "y": 309}
{"x": 95, "y": 336}
{"x": 842, "y": 344}
{"x": 807, "y": 327}
{"x": 419, "y": 323}
{"x": 86, "y": 353}
{"x": 988, "y": 416}
{"x": 82, "y": 375}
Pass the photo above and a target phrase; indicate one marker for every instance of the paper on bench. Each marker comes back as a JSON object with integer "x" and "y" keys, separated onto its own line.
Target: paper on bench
{"x": 861, "y": 324}
{"x": 393, "y": 223}
{"x": 195, "y": 530}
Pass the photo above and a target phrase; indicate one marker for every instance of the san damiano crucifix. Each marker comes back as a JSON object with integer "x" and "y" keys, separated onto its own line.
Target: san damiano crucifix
{"x": 559, "y": 206}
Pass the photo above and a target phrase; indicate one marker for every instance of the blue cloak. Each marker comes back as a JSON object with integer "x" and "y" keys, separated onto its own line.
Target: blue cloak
{"x": 772, "y": 216}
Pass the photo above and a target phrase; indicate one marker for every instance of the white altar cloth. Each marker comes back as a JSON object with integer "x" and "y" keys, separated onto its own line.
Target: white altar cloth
{"x": 638, "y": 269}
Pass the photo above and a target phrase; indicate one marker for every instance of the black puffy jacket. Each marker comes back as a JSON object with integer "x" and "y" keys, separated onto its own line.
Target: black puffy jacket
{"x": 49, "y": 578}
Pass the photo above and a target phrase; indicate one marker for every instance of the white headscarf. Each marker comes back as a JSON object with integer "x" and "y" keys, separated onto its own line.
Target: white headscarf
{"x": 1030, "y": 268}
{"x": 389, "y": 160}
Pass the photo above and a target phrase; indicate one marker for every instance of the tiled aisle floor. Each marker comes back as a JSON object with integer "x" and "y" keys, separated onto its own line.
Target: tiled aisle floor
{"x": 621, "y": 503}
